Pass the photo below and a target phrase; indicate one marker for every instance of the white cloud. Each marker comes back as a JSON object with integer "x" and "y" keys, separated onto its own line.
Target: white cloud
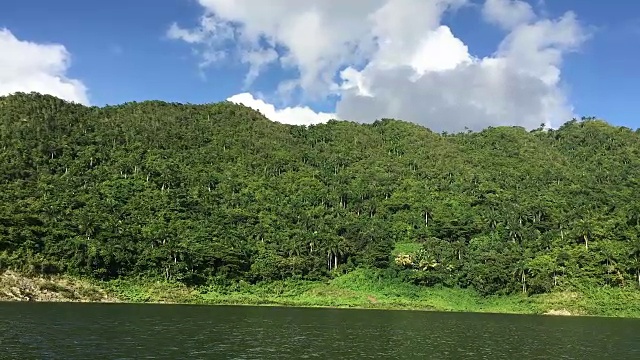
{"x": 27, "y": 66}
{"x": 452, "y": 52}
{"x": 508, "y": 13}
{"x": 300, "y": 115}
{"x": 394, "y": 58}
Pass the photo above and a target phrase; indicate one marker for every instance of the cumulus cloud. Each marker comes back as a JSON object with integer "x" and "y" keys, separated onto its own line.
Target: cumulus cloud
{"x": 394, "y": 58}
{"x": 28, "y": 66}
{"x": 299, "y": 115}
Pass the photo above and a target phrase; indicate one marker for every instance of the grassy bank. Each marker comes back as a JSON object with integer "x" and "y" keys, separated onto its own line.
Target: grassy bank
{"x": 361, "y": 289}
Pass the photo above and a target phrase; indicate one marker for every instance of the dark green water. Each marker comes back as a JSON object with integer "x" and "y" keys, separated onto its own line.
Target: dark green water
{"x": 117, "y": 331}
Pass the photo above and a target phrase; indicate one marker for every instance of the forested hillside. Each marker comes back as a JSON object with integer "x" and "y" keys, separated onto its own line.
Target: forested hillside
{"x": 217, "y": 193}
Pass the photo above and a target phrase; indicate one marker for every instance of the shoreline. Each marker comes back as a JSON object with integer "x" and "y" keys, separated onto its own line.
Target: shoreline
{"x": 351, "y": 291}
{"x": 551, "y": 313}
{"x": 284, "y": 306}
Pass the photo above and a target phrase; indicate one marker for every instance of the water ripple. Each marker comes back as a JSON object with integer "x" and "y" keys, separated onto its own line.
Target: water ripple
{"x": 117, "y": 331}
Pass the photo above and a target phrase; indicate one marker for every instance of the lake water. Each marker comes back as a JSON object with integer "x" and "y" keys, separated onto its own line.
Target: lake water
{"x": 119, "y": 331}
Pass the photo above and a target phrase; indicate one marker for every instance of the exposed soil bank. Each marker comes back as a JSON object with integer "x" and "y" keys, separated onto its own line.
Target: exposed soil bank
{"x": 16, "y": 287}
{"x": 562, "y": 312}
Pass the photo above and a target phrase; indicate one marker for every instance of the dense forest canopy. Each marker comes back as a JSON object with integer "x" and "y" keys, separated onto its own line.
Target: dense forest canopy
{"x": 218, "y": 193}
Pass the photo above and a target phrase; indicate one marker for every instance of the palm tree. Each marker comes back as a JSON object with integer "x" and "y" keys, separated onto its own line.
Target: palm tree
{"x": 458, "y": 246}
{"x": 334, "y": 249}
{"x": 521, "y": 271}
{"x": 584, "y": 230}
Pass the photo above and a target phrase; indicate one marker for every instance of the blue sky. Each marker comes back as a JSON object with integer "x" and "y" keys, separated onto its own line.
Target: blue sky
{"x": 121, "y": 51}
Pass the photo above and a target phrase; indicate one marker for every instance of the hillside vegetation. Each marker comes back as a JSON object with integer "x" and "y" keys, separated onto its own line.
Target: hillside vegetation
{"x": 217, "y": 195}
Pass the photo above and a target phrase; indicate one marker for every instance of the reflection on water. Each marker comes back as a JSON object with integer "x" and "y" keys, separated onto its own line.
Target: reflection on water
{"x": 118, "y": 331}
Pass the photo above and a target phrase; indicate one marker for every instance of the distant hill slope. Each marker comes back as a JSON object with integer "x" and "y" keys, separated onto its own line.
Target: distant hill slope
{"x": 201, "y": 193}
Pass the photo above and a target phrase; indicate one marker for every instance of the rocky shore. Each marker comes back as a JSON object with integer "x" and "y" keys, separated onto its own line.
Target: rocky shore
{"x": 17, "y": 287}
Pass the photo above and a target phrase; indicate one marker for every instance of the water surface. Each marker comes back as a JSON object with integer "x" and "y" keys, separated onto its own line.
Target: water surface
{"x": 119, "y": 331}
